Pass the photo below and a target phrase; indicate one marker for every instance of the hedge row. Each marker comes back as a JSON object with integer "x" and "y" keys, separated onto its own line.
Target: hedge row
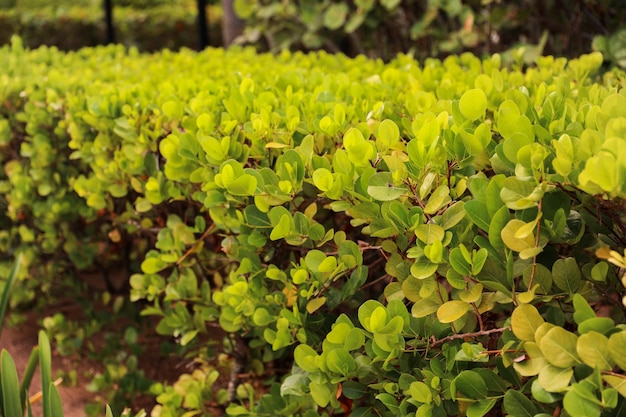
{"x": 171, "y": 27}
{"x": 408, "y": 239}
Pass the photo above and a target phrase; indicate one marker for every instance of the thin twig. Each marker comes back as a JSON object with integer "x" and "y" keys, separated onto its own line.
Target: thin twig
{"x": 194, "y": 247}
{"x": 469, "y": 335}
{"x": 532, "y": 274}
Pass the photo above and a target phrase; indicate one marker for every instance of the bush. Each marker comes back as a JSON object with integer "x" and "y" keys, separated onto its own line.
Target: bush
{"x": 428, "y": 29}
{"x": 387, "y": 239}
{"x": 162, "y": 27}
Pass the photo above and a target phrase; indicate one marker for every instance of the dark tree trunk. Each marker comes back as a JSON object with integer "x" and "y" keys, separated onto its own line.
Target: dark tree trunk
{"x": 232, "y": 25}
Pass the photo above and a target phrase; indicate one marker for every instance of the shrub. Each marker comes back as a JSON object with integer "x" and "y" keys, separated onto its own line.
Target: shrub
{"x": 390, "y": 239}
{"x": 70, "y": 28}
{"x": 426, "y": 29}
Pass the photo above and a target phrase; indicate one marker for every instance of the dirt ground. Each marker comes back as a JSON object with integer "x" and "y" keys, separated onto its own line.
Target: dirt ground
{"x": 19, "y": 342}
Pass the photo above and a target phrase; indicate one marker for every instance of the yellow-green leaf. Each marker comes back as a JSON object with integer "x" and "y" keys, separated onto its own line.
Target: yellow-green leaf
{"x": 452, "y": 310}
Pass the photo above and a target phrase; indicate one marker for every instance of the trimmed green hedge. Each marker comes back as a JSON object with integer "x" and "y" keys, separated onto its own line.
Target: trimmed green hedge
{"x": 171, "y": 27}
{"x": 414, "y": 239}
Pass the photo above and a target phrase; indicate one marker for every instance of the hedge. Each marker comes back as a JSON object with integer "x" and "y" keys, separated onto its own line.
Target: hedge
{"x": 71, "y": 28}
{"x": 403, "y": 238}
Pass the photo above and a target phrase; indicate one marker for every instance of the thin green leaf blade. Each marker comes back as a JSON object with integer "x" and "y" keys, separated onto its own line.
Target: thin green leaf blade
{"x": 10, "y": 386}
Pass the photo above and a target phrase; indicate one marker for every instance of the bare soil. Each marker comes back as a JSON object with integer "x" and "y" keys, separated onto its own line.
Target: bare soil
{"x": 19, "y": 342}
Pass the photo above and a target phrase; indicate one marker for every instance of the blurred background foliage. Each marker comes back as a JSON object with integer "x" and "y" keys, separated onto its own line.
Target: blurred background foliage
{"x": 383, "y": 28}
{"x": 375, "y": 28}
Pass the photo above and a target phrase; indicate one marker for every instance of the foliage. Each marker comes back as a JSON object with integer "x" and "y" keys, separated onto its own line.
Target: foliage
{"x": 386, "y": 239}
{"x": 427, "y": 28}
{"x": 13, "y": 394}
{"x": 613, "y": 46}
{"x": 70, "y": 28}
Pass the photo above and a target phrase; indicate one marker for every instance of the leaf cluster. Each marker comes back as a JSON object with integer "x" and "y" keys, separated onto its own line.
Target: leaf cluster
{"x": 419, "y": 239}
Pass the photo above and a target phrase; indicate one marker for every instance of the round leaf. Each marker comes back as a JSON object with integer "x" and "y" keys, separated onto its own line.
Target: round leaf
{"x": 452, "y": 311}
{"x": 473, "y": 104}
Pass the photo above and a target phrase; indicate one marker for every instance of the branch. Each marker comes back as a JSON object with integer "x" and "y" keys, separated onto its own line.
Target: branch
{"x": 196, "y": 245}
{"x": 468, "y": 335}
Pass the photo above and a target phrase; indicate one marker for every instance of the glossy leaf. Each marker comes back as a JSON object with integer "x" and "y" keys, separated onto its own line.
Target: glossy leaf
{"x": 525, "y": 321}
{"x": 452, "y": 310}
{"x": 517, "y": 404}
{"x": 593, "y": 349}
{"x": 470, "y": 384}
{"x": 473, "y": 104}
{"x": 559, "y": 347}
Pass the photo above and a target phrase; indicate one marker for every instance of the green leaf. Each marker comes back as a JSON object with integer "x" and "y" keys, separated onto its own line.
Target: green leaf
{"x": 262, "y": 317}
{"x": 559, "y": 347}
{"x": 480, "y": 407}
{"x": 453, "y": 215}
{"x": 581, "y": 402}
{"x": 617, "y": 382}
{"x": 473, "y": 104}
{"x": 27, "y": 378}
{"x": 314, "y": 304}
{"x": 335, "y": 15}
{"x": 439, "y": 198}
{"x": 353, "y": 389}
{"x": 425, "y": 307}
{"x": 517, "y": 404}
{"x": 477, "y": 212}
{"x": 153, "y": 265}
{"x": 421, "y": 392}
{"x": 323, "y": 179}
{"x": 582, "y": 309}
{"x": 320, "y": 393}
{"x": 378, "y": 319}
{"x": 593, "y": 348}
{"x": 341, "y": 362}
{"x": 555, "y": 379}
{"x": 534, "y": 363}
{"x": 56, "y": 405}
{"x": 459, "y": 263}
{"x": 617, "y": 348}
{"x": 8, "y": 286}
{"x": 245, "y": 185}
{"x": 452, "y": 310}
{"x": 305, "y": 358}
{"x": 542, "y": 276}
{"x": 601, "y": 325}
{"x": 520, "y": 195}
{"x": 365, "y": 312}
{"x": 390, "y": 401}
{"x": 381, "y": 187}
{"x": 422, "y": 269}
{"x": 388, "y": 134}
{"x": 360, "y": 151}
{"x": 471, "y": 385}
{"x": 10, "y": 386}
{"x": 525, "y": 321}
{"x": 430, "y": 233}
{"x": 566, "y": 274}
{"x": 45, "y": 372}
{"x": 283, "y": 228}
{"x": 517, "y": 244}
{"x": 498, "y": 223}
{"x": 599, "y": 271}
{"x": 543, "y": 396}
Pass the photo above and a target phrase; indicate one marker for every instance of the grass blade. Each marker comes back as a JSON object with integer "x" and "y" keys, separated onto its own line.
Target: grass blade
{"x": 56, "y": 406}
{"x": 31, "y": 366}
{"x": 45, "y": 370}
{"x": 6, "y": 294}
{"x": 10, "y": 386}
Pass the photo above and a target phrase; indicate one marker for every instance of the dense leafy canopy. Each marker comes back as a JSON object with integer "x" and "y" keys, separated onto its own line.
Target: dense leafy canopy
{"x": 422, "y": 239}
